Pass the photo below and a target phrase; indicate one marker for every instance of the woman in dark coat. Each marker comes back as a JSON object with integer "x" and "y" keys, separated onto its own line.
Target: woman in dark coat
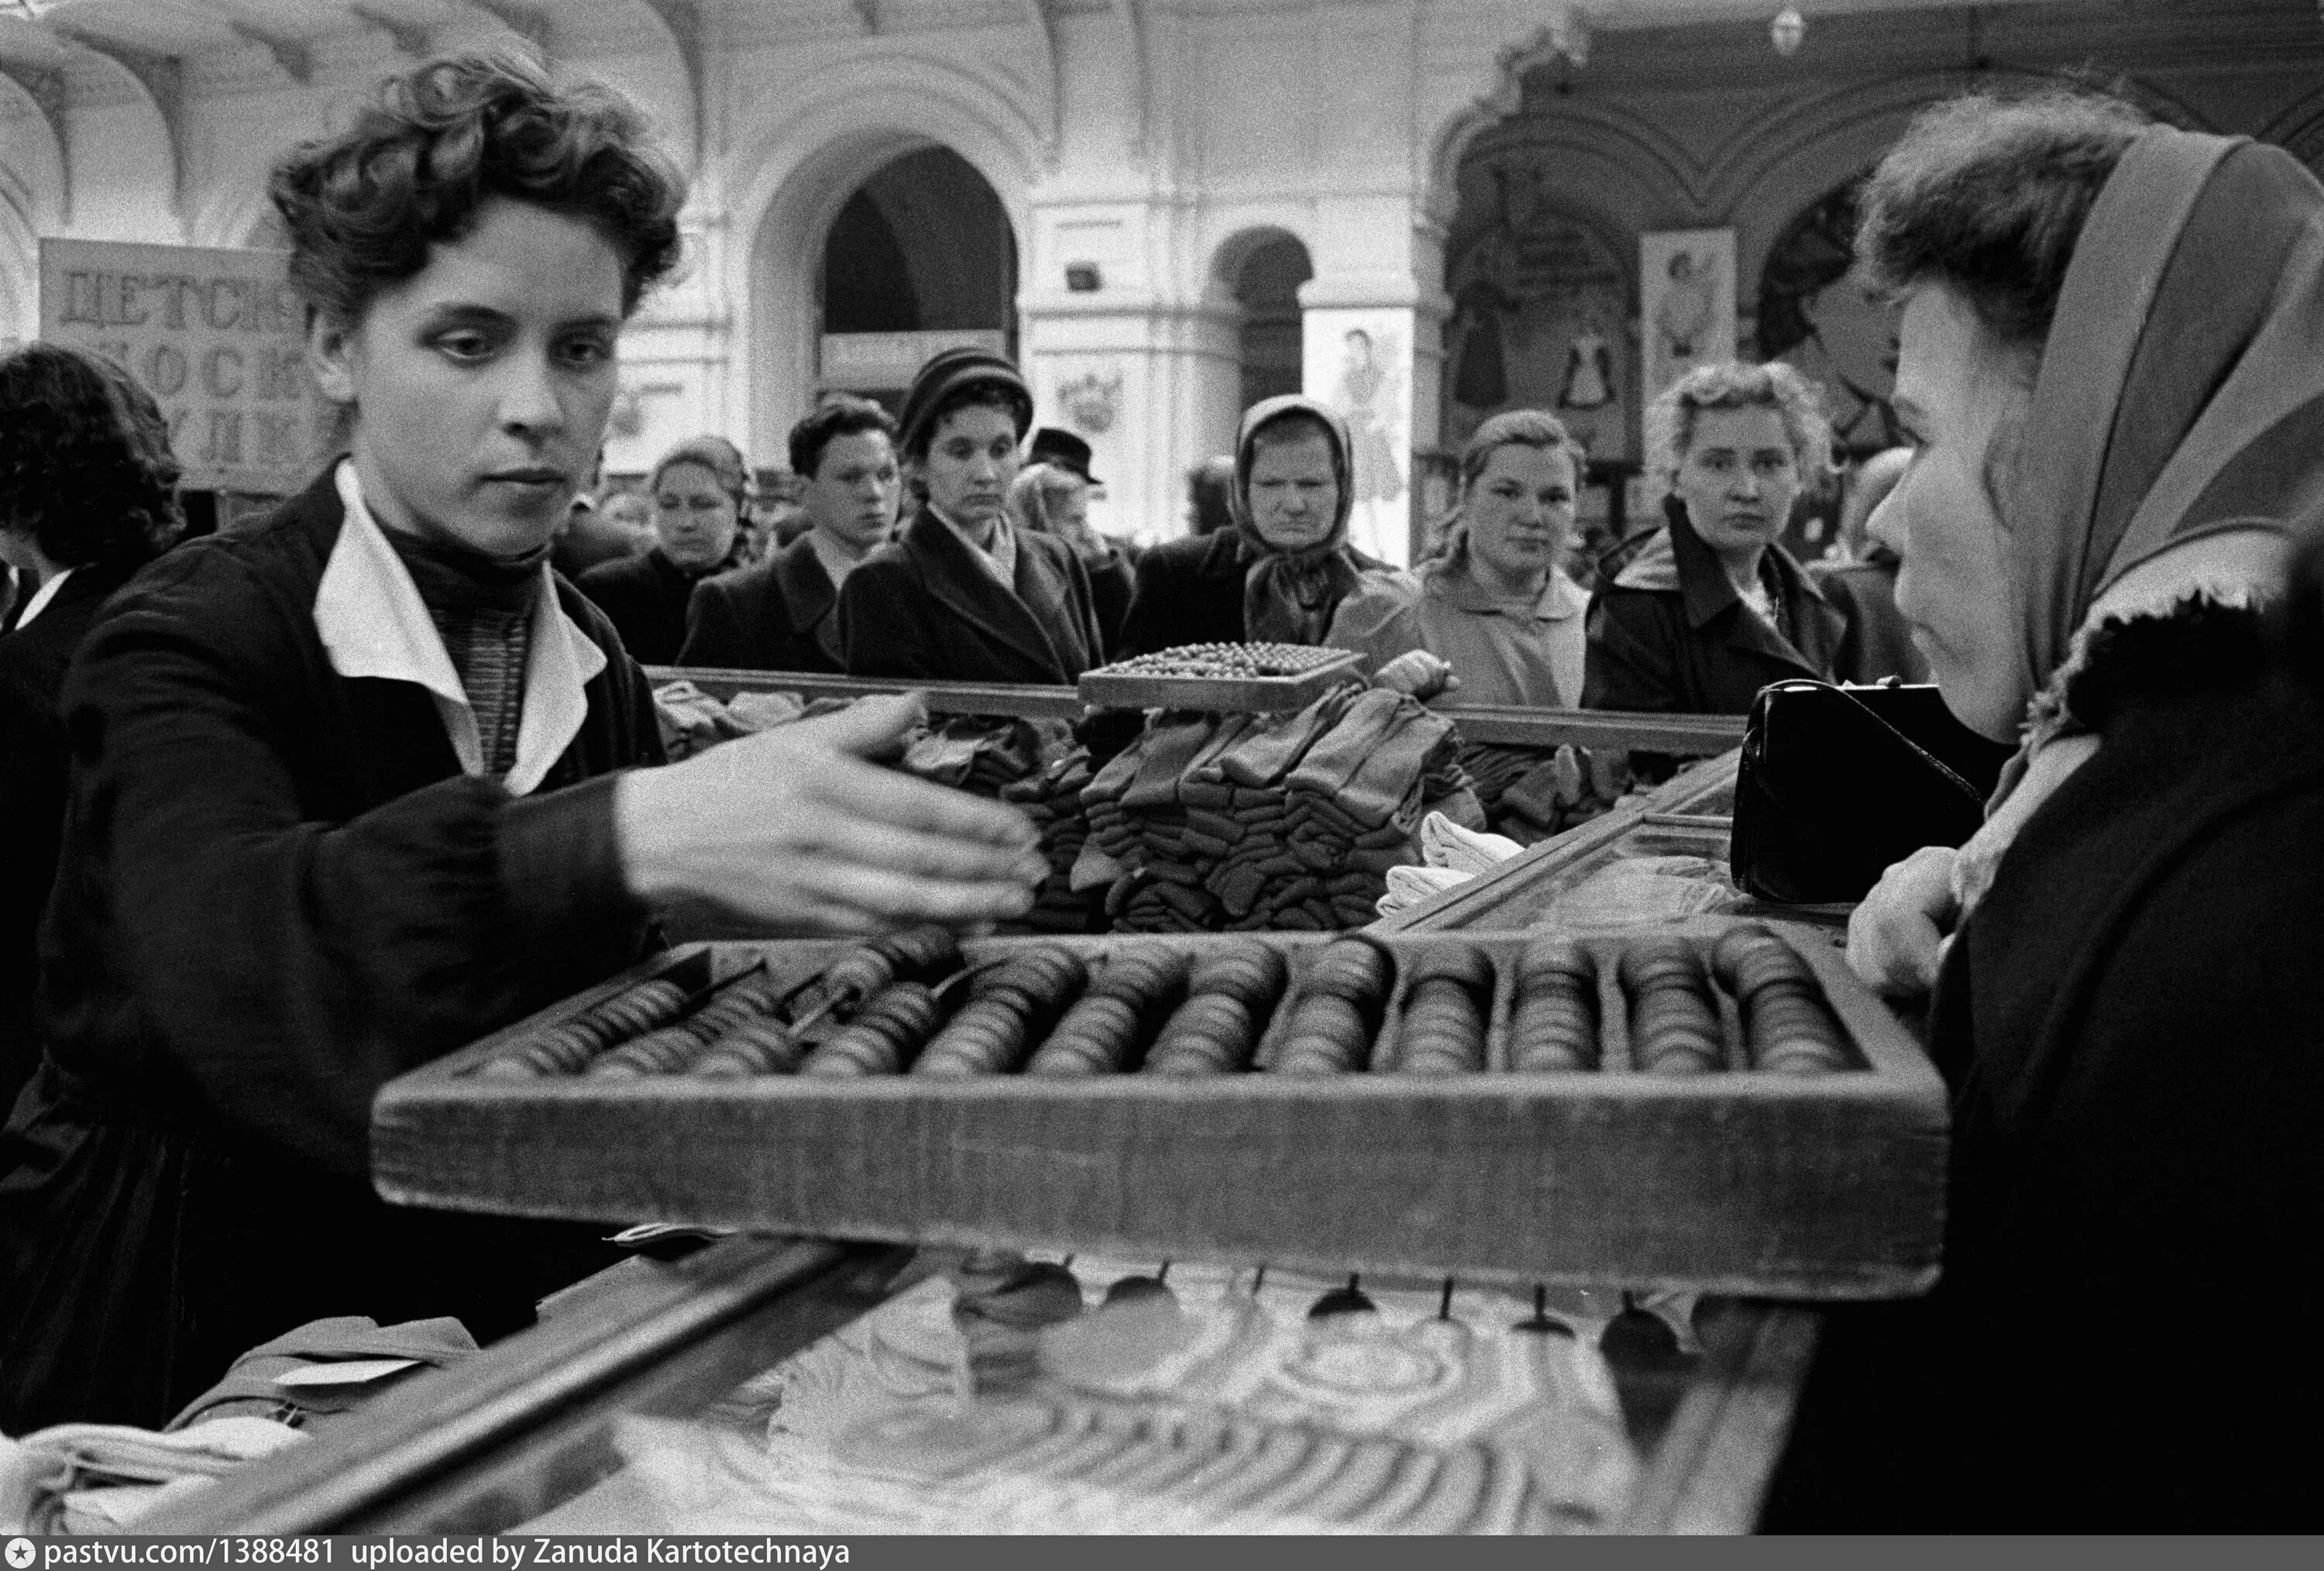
{"x": 364, "y": 781}
{"x": 2126, "y": 1007}
{"x": 1280, "y": 574}
{"x": 966, "y": 596}
{"x": 781, "y": 614}
{"x": 88, "y": 494}
{"x": 1713, "y": 609}
{"x": 698, "y": 491}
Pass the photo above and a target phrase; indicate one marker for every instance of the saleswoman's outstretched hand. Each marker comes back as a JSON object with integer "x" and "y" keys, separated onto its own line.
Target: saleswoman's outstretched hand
{"x": 795, "y": 831}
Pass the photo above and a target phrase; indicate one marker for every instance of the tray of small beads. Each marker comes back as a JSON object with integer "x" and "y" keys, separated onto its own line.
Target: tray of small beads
{"x": 1259, "y": 678}
{"x": 1713, "y": 1105}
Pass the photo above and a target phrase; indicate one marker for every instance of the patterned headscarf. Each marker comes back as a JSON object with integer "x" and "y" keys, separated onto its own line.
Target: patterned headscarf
{"x": 1288, "y": 597}
{"x": 2181, "y": 388}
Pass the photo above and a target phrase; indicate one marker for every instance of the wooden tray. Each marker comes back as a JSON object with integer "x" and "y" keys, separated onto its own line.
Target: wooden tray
{"x": 1829, "y": 1186}
{"x": 1110, "y": 688}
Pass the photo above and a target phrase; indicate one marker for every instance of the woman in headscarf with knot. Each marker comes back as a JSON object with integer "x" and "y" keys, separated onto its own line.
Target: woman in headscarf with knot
{"x": 1281, "y": 573}
{"x": 2111, "y": 367}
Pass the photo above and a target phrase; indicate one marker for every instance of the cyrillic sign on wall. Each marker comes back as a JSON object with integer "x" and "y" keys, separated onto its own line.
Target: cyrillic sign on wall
{"x": 218, "y": 337}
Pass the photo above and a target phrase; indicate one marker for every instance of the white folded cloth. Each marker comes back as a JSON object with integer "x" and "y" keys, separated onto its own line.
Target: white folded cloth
{"x": 102, "y": 1477}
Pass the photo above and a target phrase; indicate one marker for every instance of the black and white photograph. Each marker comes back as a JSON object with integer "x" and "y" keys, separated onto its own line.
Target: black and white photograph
{"x": 777, "y": 775}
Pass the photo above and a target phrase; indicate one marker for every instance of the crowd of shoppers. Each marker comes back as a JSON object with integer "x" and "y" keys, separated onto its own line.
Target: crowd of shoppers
{"x": 296, "y": 808}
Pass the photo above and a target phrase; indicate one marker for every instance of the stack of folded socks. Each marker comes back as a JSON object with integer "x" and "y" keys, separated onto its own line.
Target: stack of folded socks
{"x": 1255, "y": 822}
{"x": 1530, "y": 793}
{"x": 1052, "y": 799}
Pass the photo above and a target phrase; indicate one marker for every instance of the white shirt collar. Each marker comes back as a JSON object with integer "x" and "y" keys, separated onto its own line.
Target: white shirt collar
{"x": 42, "y": 596}
{"x": 374, "y": 623}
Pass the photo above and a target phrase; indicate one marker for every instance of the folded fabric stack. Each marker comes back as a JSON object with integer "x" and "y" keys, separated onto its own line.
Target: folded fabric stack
{"x": 1529, "y": 795}
{"x": 985, "y": 754}
{"x": 1257, "y": 822}
{"x": 1052, "y": 799}
{"x": 103, "y": 1478}
{"x": 693, "y": 722}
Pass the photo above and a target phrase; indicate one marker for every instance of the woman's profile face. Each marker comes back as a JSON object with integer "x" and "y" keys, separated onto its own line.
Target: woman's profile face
{"x": 694, "y": 516}
{"x": 1738, "y": 478}
{"x": 1961, "y": 401}
{"x": 1294, "y": 491}
{"x": 1519, "y": 510}
{"x": 481, "y": 385}
{"x": 969, "y": 462}
{"x": 1067, "y": 506}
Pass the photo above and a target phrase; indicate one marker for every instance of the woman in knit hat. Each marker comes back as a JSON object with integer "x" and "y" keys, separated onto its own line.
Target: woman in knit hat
{"x": 698, "y": 489}
{"x": 965, "y": 595}
{"x": 1281, "y": 573}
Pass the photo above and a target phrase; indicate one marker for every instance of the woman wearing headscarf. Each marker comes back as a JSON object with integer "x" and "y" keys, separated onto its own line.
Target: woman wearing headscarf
{"x": 965, "y": 595}
{"x": 88, "y": 494}
{"x": 2112, "y": 368}
{"x": 1053, "y": 500}
{"x": 1712, "y": 608}
{"x": 699, "y": 489}
{"x": 1279, "y": 576}
{"x": 1496, "y": 618}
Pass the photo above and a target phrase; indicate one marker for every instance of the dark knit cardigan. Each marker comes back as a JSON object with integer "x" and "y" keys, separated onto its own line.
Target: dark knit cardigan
{"x": 276, "y": 890}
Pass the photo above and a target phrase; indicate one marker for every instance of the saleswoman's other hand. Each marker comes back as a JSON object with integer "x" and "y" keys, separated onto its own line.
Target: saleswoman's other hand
{"x": 794, "y": 830}
{"x": 1419, "y": 673}
{"x": 1897, "y": 936}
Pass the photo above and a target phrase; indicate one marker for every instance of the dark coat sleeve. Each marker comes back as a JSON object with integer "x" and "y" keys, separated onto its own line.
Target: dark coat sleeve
{"x": 1632, "y": 659}
{"x": 1111, "y": 587}
{"x": 1180, "y": 598}
{"x": 715, "y": 634}
{"x": 646, "y": 604}
{"x": 32, "y": 821}
{"x": 886, "y": 624}
{"x": 282, "y": 963}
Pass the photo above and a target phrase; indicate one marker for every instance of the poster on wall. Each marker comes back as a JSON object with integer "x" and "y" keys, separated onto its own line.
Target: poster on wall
{"x": 1686, "y": 302}
{"x": 218, "y": 337}
{"x": 1816, "y": 314}
{"x": 1359, "y": 363}
{"x": 1541, "y": 302}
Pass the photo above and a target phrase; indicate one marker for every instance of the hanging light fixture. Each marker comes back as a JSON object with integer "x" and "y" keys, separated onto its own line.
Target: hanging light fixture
{"x": 1789, "y": 27}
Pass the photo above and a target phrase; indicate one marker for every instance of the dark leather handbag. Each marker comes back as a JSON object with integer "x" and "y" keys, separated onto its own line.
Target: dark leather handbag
{"x": 1838, "y": 783}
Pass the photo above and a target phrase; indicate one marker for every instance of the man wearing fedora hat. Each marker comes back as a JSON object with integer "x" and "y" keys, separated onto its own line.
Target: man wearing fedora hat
{"x": 963, "y": 594}
{"x": 1051, "y": 496}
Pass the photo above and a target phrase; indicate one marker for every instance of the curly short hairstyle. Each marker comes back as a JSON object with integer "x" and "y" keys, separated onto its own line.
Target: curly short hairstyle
{"x": 838, "y": 417}
{"x": 1670, "y": 417}
{"x": 1516, "y": 428}
{"x": 85, "y": 461}
{"x": 421, "y": 160}
{"x": 1988, "y": 197}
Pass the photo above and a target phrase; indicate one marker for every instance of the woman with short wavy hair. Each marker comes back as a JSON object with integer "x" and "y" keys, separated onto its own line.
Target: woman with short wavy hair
{"x": 363, "y": 782}
{"x": 1713, "y": 609}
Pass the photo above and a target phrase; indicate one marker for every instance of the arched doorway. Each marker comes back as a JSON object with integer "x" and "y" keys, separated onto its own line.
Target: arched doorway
{"x": 1268, "y": 342}
{"x": 920, "y": 257}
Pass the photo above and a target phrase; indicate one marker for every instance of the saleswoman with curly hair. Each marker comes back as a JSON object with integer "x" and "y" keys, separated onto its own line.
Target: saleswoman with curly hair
{"x": 88, "y": 494}
{"x": 365, "y": 782}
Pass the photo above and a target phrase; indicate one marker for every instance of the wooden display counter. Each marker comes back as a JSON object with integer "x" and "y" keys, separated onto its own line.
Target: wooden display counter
{"x": 529, "y": 1426}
